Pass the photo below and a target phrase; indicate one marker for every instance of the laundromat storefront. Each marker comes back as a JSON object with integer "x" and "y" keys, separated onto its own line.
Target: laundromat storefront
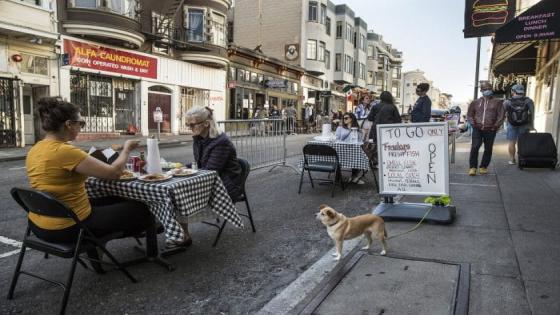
{"x": 108, "y": 101}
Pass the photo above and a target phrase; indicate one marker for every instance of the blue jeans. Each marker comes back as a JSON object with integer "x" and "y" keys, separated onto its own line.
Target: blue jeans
{"x": 478, "y": 137}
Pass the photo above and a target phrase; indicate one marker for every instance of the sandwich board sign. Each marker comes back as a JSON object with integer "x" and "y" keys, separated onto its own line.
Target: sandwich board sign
{"x": 413, "y": 159}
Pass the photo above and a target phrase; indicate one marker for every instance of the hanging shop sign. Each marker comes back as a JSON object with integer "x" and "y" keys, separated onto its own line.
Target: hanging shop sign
{"x": 84, "y": 55}
{"x": 276, "y": 84}
{"x": 484, "y": 17}
{"x": 540, "y": 22}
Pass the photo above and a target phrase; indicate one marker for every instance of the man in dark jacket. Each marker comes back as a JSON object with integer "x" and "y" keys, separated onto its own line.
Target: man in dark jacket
{"x": 422, "y": 110}
{"x": 485, "y": 115}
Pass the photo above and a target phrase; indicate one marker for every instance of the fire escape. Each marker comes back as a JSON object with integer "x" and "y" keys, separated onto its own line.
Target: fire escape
{"x": 164, "y": 33}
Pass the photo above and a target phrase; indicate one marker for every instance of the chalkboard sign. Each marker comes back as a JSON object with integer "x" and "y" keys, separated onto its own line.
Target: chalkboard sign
{"x": 413, "y": 159}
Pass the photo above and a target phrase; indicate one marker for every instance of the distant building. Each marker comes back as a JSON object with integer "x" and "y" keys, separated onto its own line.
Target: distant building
{"x": 384, "y": 64}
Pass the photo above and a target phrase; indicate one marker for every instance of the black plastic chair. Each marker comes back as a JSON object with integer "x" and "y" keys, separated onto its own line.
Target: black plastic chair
{"x": 245, "y": 170}
{"x": 44, "y": 204}
{"x": 321, "y": 158}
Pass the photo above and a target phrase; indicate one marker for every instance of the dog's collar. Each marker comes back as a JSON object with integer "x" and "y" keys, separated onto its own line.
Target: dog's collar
{"x": 334, "y": 223}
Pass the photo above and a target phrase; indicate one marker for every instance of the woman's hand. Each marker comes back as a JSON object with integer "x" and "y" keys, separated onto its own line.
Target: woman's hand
{"x": 130, "y": 145}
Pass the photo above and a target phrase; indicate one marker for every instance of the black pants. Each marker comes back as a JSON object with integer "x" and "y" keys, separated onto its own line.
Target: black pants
{"x": 108, "y": 215}
{"x": 478, "y": 137}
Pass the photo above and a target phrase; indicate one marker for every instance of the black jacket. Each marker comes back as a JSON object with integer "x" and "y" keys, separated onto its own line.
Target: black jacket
{"x": 422, "y": 111}
{"x": 218, "y": 154}
{"x": 384, "y": 114}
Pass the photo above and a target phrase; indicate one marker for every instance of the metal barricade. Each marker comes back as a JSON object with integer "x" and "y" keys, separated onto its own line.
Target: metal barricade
{"x": 452, "y": 146}
{"x": 262, "y": 142}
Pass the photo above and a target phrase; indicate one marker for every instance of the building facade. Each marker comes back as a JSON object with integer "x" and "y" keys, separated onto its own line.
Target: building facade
{"x": 384, "y": 65}
{"x": 410, "y": 80}
{"x": 28, "y": 67}
{"x": 123, "y": 60}
{"x": 317, "y": 36}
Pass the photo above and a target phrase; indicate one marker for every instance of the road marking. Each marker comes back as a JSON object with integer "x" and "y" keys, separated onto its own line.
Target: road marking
{"x": 465, "y": 184}
{"x": 8, "y": 254}
{"x": 17, "y": 168}
{"x": 11, "y": 242}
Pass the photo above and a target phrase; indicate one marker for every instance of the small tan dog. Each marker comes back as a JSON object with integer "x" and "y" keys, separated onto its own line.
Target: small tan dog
{"x": 342, "y": 228}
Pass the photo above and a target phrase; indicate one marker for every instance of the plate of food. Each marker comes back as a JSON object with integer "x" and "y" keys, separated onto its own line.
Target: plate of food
{"x": 127, "y": 176}
{"x": 154, "y": 177}
{"x": 171, "y": 165}
{"x": 182, "y": 172}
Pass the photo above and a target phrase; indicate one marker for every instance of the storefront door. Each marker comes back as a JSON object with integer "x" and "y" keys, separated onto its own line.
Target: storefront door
{"x": 8, "y": 98}
{"x": 163, "y": 101}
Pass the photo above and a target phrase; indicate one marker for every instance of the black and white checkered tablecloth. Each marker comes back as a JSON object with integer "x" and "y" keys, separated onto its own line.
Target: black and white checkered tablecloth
{"x": 176, "y": 196}
{"x": 350, "y": 155}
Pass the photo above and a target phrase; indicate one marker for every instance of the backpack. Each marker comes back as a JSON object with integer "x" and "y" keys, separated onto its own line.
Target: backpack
{"x": 518, "y": 112}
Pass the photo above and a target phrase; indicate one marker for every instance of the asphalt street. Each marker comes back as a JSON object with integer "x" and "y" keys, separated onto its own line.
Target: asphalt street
{"x": 241, "y": 275}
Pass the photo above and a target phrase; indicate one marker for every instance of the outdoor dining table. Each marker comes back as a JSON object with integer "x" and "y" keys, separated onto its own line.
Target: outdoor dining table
{"x": 183, "y": 196}
{"x": 350, "y": 154}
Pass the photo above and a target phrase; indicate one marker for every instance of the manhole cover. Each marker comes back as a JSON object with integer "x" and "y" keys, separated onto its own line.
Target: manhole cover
{"x": 372, "y": 284}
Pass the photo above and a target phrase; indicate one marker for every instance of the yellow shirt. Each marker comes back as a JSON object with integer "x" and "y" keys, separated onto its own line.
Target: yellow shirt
{"x": 50, "y": 168}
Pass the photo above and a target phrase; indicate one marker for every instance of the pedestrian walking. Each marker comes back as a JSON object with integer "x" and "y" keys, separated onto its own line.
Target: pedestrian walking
{"x": 520, "y": 118}
{"x": 485, "y": 115}
{"x": 422, "y": 111}
{"x": 290, "y": 113}
{"x": 308, "y": 115}
{"x": 366, "y": 123}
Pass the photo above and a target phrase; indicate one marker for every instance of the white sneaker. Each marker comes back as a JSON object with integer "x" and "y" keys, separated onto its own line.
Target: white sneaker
{"x": 360, "y": 182}
{"x": 511, "y": 162}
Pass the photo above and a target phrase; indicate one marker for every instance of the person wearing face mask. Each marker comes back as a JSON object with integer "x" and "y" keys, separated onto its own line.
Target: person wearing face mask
{"x": 520, "y": 117}
{"x": 422, "y": 110}
{"x": 486, "y": 115}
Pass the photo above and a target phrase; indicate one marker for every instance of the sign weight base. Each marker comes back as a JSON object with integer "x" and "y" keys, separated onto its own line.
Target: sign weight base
{"x": 415, "y": 212}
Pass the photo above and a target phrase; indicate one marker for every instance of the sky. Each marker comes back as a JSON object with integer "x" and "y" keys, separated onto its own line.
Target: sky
{"x": 430, "y": 35}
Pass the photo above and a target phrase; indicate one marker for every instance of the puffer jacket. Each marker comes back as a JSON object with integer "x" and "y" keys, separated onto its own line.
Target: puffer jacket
{"x": 486, "y": 113}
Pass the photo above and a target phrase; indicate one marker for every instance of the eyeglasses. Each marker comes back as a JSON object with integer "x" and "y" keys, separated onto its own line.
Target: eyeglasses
{"x": 195, "y": 124}
{"x": 81, "y": 122}
{"x": 346, "y": 118}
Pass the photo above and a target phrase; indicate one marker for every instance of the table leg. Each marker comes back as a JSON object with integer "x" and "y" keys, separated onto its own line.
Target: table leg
{"x": 152, "y": 252}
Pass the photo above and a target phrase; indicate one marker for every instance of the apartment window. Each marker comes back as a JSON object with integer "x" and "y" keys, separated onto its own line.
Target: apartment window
{"x": 363, "y": 42}
{"x": 349, "y": 31}
{"x": 33, "y": 2}
{"x": 312, "y": 11}
{"x": 338, "y": 29}
{"x": 348, "y": 64}
{"x": 337, "y": 62}
{"x": 89, "y": 4}
{"x": 195, "y": 25}
{"x": 162, "y": 27}
{"x": 362, "y": 71}
{"x": 328, "y": 25}
{"x": 321, "y": 55}
{"x": 328, "y": 59}
{"x": 370, "y": 53}
{"x": 218, "y": 29}
{"x": 370, "y": 77}
{"x": 311, "y": 49}
{"x": 355, "y": 40}
{"x": 380, "y": 63}
{"x": 232, "y": 74}
{"x": 34, "y": 64}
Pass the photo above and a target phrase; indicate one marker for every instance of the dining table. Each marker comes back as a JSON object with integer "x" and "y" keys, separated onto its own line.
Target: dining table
{"x": 350, "y": 154}
{"x": 167, "y": 199}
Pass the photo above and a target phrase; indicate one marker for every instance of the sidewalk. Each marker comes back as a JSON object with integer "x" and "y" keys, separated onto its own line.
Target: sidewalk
{"x": 500, "y": 256}
{"x": 14, "y": 154}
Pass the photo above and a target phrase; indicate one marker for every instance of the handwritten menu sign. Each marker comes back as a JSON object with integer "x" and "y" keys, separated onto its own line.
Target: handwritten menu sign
{"x": 413, "y": 159}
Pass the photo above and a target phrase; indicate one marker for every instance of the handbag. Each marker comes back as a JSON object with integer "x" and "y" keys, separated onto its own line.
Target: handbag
{"x": 370, "y": 149}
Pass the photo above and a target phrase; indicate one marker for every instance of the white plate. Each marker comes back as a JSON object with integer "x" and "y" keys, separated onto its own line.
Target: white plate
{"x": 161, "y": 178}
{"x": 182, "y": 172}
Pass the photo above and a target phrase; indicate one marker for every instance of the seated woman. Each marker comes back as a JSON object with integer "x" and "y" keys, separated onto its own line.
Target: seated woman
{"x": 343, "y": 132}
{"x": 61, "y": 169}
{"x": 213, "y": 150}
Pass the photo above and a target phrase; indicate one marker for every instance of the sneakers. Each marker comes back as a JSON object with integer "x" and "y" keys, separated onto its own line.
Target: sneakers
{"x": 511, "y": 162}
{"x": 472, "y": 171}
{"x": 172, "y": 244}
{"x": 483, "y": 171}
{"x": 357, "y": 180}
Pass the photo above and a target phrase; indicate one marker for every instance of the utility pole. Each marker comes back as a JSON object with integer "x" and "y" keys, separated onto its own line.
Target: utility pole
{"x": 477, "y": 68}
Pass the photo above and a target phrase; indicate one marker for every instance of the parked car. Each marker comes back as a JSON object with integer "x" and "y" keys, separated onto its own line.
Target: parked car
{"x": 439, "y": 114}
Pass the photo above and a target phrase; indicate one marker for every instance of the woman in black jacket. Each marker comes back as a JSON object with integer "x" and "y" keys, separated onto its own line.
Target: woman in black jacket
{"x": 383, "y": 113}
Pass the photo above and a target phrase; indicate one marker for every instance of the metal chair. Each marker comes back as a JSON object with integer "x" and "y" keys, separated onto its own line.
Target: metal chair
{"x": 245, "y": 170}
{"x": 321, "y": 158}
{"x": 44, "y": 204}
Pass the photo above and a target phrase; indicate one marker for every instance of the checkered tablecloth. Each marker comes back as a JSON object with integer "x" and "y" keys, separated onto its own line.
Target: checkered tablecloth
{"x": 176, "y": 196}
{"x": 350, "y": 155}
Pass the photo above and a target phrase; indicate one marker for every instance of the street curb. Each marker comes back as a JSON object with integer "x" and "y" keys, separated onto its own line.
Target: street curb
{"x": 170, "y": 144}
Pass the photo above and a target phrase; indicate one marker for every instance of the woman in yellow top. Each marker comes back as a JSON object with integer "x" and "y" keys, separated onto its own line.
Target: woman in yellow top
{"x": 61, "y": 169}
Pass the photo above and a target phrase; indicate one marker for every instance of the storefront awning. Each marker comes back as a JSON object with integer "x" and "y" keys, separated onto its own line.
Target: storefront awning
{"x": 514, "y": 58}
{"x": 539, "y": 22}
